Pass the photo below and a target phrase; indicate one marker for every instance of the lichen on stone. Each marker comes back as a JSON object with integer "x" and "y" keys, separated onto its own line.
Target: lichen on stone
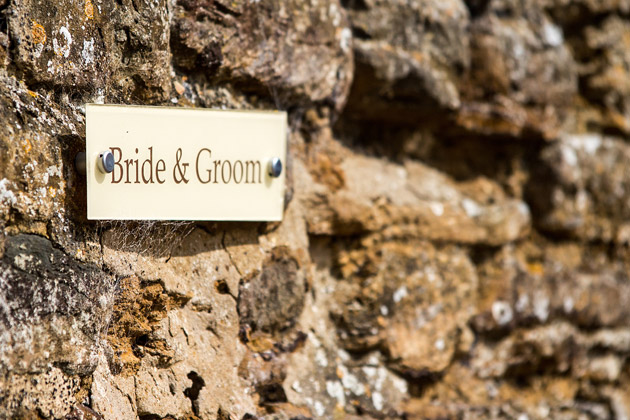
{"x": 455, "y": 237}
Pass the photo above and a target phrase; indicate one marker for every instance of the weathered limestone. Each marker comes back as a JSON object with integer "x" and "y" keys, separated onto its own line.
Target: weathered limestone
{"x": 455, "y": 237}
{"x": 589, "y": 198}
{"x": 409, "y": 57}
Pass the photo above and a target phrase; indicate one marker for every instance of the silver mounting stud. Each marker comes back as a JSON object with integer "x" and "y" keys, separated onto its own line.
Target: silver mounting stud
{"x": 275, "y": 167}
{"x": 105, "y": 162}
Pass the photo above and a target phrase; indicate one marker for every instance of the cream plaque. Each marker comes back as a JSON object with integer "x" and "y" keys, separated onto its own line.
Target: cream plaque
{"x": 162, "y": 163}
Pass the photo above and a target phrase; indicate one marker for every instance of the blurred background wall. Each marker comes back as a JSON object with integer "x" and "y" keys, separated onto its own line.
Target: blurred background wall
{"x": 455, "y": 243}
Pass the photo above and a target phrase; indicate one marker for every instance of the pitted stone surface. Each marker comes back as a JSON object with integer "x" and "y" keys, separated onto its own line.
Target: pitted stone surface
{"x": 456, "y": 229}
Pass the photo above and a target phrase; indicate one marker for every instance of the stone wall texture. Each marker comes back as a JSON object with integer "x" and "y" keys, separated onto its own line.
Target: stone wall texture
{"x": 456, "y": 238}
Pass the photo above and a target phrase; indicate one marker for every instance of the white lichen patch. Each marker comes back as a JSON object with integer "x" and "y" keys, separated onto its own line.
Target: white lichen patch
{"x": 334, "y": 13}
{"x": 471, "y": 208}
{"x": 437, "y": 208}
{"x": 335, "y": 390}
{"x": 522, "y": 303}
{"x": 523, "y": 208}
{"x": 88, "y": 51}
{"x": 377, "y": 400}
{"x": 400, "y": 293}
{"x": 63, "y": 48}
{"x": 7, "y": 197}
{"x": 37, "y": 50}
{"x": 320, "y": 358}
{"x": 541, "y": 307}
{"x": 440, "y": 345}
{"x": 351, "y": 382}
{"x": 369, "y": 371}
{"x": 569, "y": 156}
{"x": 21, "y": 261}
{"x": 346, "y": 39}
{"x": 552, "y": 35}
{"x": 319, "y": 408}
{"x": 297, "y": 387}
{"x": 54, "y": 170}
{"x": 589, "y": 143}
{"x": 502, "y": 312}
{"x": 567, "y": 304}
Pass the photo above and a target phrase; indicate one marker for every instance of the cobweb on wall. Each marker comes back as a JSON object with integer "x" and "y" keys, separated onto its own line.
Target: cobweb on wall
{"x": 146, "y": 237}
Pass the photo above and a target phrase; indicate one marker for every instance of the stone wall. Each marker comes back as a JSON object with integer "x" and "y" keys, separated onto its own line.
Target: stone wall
{"x": 455, "y": 243}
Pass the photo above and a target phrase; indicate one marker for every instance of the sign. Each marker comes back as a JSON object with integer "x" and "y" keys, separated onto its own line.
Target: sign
{"x": 163, "y": 163}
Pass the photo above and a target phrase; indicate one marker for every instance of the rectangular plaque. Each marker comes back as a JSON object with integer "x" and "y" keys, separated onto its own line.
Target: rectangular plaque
{"x": 184, "y": 164}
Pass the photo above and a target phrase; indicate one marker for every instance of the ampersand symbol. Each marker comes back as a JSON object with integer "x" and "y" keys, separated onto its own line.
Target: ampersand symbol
{"x": 182, "y": 177}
